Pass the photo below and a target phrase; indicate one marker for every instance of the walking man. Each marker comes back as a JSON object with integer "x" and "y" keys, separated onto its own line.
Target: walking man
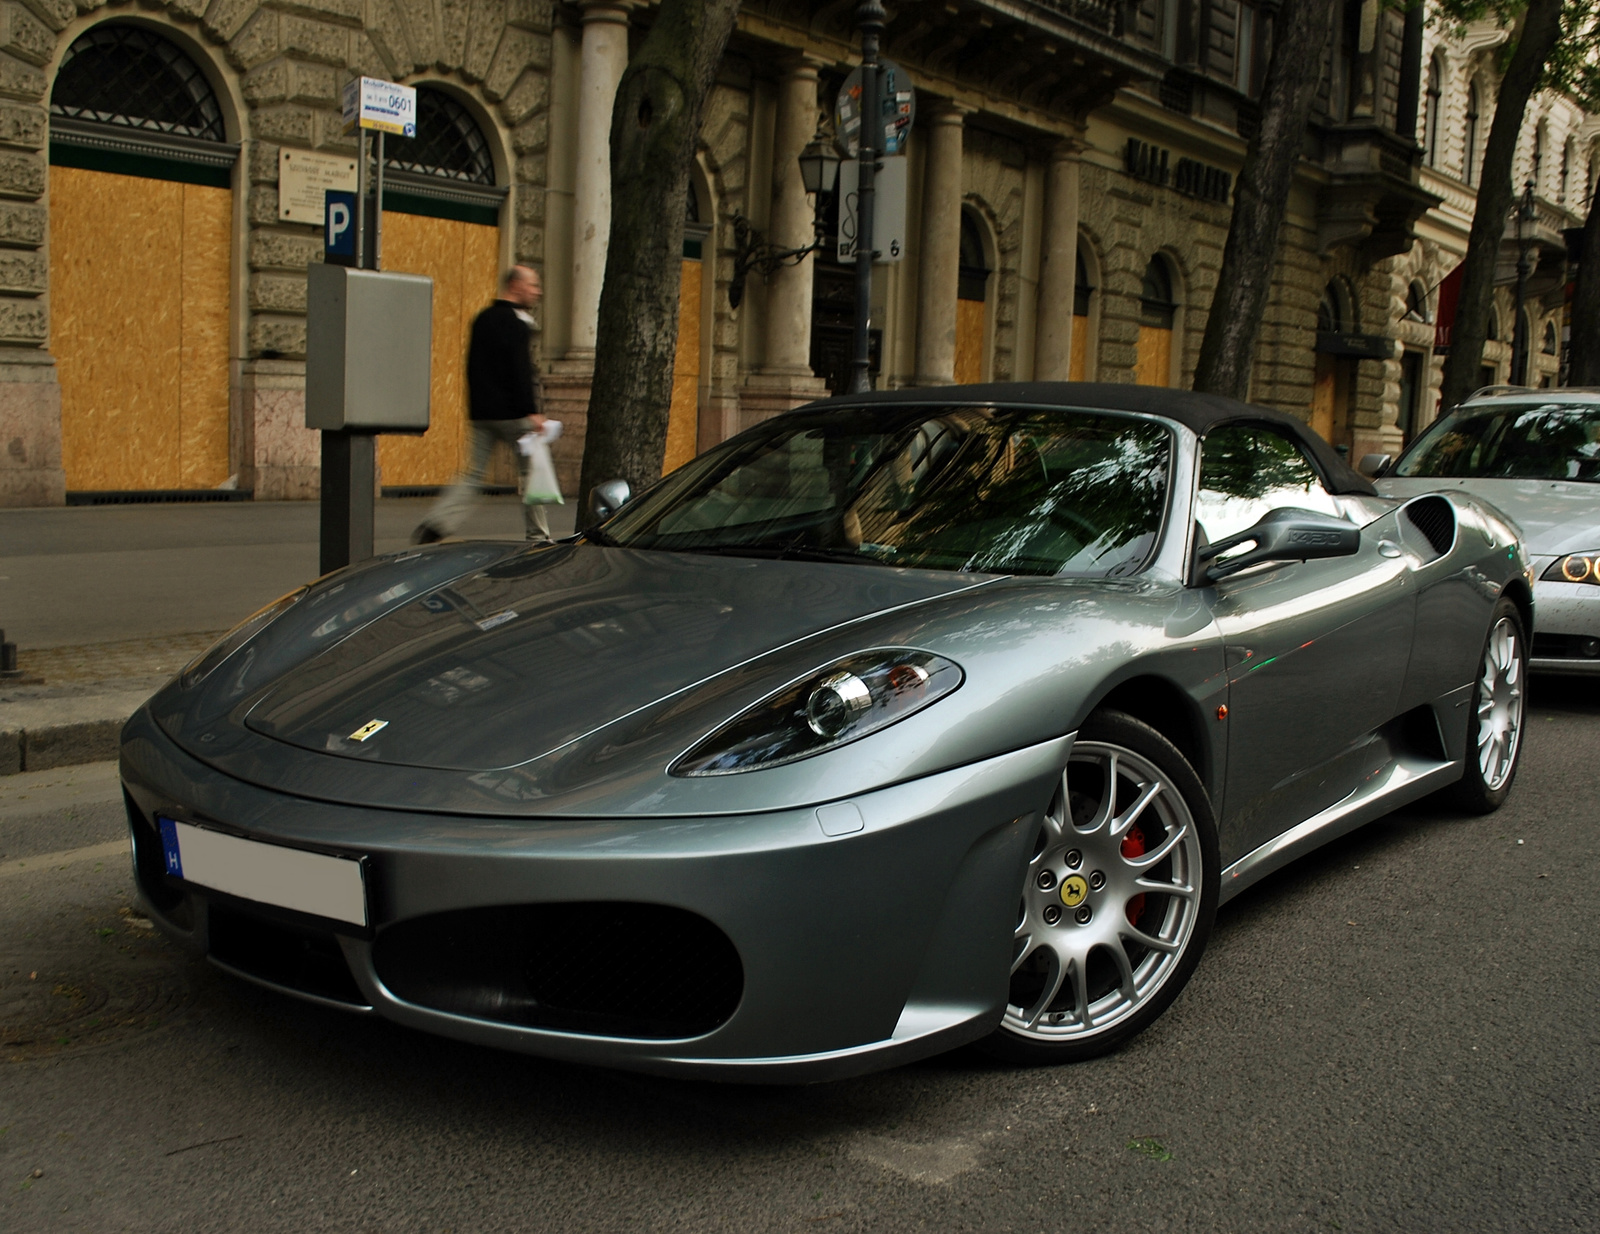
{"x": 502, "y": 405}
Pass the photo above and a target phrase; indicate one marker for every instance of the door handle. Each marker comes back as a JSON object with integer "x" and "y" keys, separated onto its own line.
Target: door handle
{"x": 1389, "y": 548}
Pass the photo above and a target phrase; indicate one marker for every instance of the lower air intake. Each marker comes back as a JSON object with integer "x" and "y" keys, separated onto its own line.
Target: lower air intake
{"x": 605, "y": 969}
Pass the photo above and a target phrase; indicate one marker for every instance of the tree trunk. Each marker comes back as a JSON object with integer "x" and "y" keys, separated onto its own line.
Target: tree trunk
{"x": 1583, "y": 365}
{"x": 1261, "y": 197}
{"x": 1535, "y": 35}
{"x": 655, "y": 127}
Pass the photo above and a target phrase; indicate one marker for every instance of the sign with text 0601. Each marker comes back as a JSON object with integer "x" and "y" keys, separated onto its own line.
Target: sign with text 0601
{"x": 386, "y": 106}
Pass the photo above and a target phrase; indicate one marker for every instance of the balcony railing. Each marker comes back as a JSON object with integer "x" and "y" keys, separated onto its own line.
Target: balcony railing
{"x": 1102, "y": 15}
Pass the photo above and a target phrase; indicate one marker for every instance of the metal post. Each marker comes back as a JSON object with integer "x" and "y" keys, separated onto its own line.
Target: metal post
{"x": 361, "y": 199}
{"x": 347, "y": 498}
{"x": 870, "y": 17}
{"x": 377, "y": 211}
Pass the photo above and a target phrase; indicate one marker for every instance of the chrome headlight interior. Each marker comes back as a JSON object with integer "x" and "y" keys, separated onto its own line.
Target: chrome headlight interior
{"x": 1575, "y": 568}
{"x": 848, "y": 699}
{"x": 207, "y": 662}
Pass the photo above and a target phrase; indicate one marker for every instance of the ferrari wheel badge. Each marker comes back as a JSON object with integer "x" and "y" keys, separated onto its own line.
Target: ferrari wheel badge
{"x": 1073, "y": 890}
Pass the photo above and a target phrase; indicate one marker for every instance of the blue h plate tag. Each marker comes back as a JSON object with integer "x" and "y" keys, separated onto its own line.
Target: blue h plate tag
{"x": 169, "y": 847}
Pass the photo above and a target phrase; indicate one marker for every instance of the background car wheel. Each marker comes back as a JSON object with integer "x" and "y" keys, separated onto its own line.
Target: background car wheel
{"x": 1118, "y": 899}
{"x": 1494, "y": 735}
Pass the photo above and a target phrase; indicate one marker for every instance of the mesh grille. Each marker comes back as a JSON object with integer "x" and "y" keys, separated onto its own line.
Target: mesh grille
{"x": 609, "y": 969}
{"x": 449, "y": 144}
{"x": 128, "y": 76}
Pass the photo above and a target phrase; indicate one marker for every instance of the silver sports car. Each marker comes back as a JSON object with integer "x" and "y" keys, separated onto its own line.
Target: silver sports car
{"x": 894, "y": 723}
{"x": 1536, "y": 455}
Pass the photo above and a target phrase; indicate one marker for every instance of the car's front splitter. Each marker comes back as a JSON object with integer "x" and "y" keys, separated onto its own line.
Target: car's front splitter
{"x": 856, "y": 950}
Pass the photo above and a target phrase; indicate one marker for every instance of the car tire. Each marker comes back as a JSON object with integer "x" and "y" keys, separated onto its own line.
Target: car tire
{"x": 1101, "y": 948}
{"x": 1497, "y": 720}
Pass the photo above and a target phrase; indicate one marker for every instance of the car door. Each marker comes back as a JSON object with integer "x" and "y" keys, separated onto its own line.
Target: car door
{"x": 1316, "y": 650}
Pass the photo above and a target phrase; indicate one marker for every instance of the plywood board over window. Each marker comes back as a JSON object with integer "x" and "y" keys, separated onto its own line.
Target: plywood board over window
{"x": 139, "y": 329}
{"x": 462, "y": 260}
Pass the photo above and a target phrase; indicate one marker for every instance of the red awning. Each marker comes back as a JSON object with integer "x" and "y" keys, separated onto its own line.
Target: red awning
{"x": 1444, "y": 320}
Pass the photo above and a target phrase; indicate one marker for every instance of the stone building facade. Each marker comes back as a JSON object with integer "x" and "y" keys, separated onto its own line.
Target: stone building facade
{"x": 1069, "y": 179}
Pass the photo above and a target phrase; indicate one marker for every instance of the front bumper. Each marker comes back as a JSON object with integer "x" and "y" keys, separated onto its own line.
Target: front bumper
{"x": 1566, "y": 635}
{"x": 856, "y": 951}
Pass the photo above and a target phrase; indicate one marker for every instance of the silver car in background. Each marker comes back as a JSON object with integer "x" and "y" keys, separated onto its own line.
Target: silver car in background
{"x": 1535, "y": 456}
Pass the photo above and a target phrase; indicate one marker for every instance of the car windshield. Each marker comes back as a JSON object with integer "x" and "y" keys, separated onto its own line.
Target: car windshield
{"x": 1548, "y": 441}
{"x": 996, "y": 489}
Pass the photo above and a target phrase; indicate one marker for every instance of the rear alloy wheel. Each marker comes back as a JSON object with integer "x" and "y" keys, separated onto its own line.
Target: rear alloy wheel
{"x": 1494, "y": 734}
{"x": 1118, "y": 899}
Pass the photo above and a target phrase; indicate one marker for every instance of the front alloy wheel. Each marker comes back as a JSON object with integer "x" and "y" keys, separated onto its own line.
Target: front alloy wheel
{"x": 1498, "y": 702}
{"x": 1117, "y": 901}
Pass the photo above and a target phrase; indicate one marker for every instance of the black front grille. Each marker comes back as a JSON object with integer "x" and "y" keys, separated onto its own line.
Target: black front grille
{"x": 1565, "y": 647}
{"x": 297, "y": 957}
{"x": 1434, "y": 518}
{"x": 607, "y": 969}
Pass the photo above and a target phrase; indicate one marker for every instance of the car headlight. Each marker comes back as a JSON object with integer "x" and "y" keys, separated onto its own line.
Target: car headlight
{"x": 207, "y": 662}
{"x": 1575, "y": 568}
{"x": 843, "y": 702}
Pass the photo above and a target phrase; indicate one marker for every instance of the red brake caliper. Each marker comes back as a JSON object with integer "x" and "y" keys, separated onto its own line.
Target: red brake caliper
{"x": 1133, "y": 846}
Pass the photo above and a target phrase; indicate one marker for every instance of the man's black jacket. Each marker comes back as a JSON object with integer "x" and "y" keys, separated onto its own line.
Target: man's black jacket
{"x": 500, "y": 383}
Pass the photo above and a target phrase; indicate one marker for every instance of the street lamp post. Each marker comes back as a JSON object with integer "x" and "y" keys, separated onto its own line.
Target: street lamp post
{"x": 1519, "y": 330}
{"x": 870, "y": 17}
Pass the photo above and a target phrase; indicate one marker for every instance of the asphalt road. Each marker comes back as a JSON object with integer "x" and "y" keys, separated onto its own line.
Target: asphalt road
{"x": 1398, "y": 1033}
{"x": 91, "y": 574}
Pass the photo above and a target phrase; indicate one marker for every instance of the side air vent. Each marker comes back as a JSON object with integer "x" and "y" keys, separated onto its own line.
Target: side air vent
{"x": 1436, "y": 520}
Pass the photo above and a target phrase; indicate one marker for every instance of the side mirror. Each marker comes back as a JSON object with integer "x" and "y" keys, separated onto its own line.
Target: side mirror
{"x": 606, "y": 498}
{"x": 1283, "y": 535}
{"x": 1374, "y": 465}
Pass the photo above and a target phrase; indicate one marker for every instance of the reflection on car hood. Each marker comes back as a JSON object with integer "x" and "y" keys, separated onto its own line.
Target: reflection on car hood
{"x": 1555, "y": 516}
{"x": 508, "y": 664}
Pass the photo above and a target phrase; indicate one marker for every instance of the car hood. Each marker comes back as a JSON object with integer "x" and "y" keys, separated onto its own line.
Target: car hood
{"x": 1554, "y": 516}
{"x": 532, "y": 653}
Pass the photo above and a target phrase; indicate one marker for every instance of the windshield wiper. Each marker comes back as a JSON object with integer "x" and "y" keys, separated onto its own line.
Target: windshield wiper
{"x": 767, "y": 552}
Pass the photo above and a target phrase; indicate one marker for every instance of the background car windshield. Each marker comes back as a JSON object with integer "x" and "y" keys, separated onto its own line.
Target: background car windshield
{"x": 1002, "y": 490}
{"x": 1553, "y": 441}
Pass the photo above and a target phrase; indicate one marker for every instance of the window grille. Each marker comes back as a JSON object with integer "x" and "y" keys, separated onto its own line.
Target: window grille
{"x": 130, "y": 76}
{"x": 448, "y": 145}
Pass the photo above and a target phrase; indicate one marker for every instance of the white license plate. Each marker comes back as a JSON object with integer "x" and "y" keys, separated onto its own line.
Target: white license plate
{"x": 268, "y": 873}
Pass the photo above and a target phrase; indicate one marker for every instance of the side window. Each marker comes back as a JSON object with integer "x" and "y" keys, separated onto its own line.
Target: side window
{"x": 1246, "y": 471}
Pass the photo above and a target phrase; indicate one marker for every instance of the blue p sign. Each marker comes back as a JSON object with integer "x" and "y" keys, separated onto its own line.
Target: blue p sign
{"x": 339, "y": 224}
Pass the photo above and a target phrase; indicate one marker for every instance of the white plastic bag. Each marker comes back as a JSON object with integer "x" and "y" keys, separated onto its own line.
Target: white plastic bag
{"x": 541, "y": 485}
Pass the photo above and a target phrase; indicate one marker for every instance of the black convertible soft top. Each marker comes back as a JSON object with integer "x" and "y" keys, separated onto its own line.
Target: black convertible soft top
{"x": 1198, "y": 412}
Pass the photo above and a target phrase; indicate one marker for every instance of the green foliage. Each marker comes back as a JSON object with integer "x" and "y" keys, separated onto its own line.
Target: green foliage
{"x": 1574, "y": 65}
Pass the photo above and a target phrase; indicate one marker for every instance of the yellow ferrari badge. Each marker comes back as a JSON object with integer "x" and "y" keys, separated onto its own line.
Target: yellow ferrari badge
{"x": 1073, "y": 890}
{"x": 372, "y": 726}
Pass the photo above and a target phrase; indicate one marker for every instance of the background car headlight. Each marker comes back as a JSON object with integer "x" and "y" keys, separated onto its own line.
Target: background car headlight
{"x": 840, "y": 703}
{"x": 1575, "y": 568}
{"x": 206, "y": 663}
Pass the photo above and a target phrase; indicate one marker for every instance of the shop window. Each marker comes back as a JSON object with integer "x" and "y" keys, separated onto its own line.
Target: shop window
{"x": 1158, "y": 312}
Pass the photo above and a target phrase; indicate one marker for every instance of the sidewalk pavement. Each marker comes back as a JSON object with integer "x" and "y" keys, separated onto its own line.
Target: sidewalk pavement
{"x": 106, "y": 603}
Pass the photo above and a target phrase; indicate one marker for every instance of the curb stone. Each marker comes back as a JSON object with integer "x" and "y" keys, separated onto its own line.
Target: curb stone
{"x": 42, "y": 734}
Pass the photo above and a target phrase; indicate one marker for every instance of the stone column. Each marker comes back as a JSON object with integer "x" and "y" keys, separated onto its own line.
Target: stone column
{"x": 603, "y": 59}
{"x": 785, "y": 380}
{"x": 1058, "y": 270}
{"x": 938, "y": 271}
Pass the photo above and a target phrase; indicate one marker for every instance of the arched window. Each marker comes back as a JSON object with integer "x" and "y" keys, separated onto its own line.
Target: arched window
{"x": 1565, "y": 185}
{"x": 1336, "y": 312}
{"x": 449, "y": 145}
{"x": 1549, "y": 347}
{"x": 1078, "y": 368}
{"x": 1416, "y": 302}
{"x": 1491, "y": 331}
{"x": 132, "y": 77}
{"x": 973, "y": 281}
{"x": 1541, "y": 139}
{"x": 1469, "y": 157}
{"x": 1430, "y": 130}
{"x": 1158, "y": 311}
